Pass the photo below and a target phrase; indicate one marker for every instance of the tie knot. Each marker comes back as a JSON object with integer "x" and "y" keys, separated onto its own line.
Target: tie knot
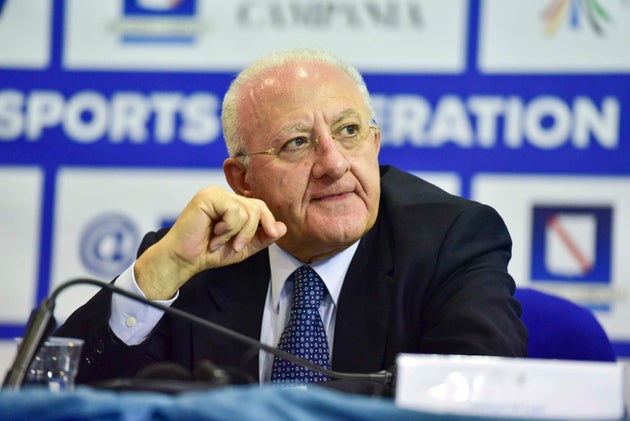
{"x": 309, "y": 288}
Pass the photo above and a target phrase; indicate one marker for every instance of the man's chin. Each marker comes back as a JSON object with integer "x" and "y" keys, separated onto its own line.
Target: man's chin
{"x": 322, "y": 244}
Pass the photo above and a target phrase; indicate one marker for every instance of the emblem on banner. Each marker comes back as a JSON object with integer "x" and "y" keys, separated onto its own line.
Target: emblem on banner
{"x": 159, "y": 21}
{"x": 108, "y": 244}
{"x": 571, "y": 244}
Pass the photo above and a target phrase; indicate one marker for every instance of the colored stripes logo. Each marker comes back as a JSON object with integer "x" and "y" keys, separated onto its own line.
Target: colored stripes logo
{"x": 574, "y": 13}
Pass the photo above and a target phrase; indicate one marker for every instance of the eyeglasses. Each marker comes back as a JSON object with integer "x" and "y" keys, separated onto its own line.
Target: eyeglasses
{"x": 349, "y": 137}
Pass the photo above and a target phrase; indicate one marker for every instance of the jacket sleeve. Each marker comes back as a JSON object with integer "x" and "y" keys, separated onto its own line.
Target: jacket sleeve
{"x": 471, "y": 309}
{"x": 103, "y": 355}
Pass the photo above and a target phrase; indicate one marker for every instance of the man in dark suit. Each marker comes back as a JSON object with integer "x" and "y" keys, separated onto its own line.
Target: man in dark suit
{"x": 406, "y": 267}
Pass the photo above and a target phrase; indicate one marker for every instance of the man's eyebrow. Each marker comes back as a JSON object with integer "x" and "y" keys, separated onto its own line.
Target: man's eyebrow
{"x": 290, "y": 130}
{"x": 296, "y": 128}
{"x": 300, "y": 128}
{"x": 350, "y": 112}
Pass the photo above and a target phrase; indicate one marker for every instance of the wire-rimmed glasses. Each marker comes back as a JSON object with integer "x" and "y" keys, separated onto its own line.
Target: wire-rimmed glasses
{"x": 349, "y": 136}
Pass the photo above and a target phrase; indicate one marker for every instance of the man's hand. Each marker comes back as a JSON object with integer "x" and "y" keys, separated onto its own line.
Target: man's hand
{"x": 217, "y": 228}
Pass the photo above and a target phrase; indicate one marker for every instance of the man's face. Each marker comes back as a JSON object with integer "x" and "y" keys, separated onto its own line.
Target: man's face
{"x": 328, "y": 198}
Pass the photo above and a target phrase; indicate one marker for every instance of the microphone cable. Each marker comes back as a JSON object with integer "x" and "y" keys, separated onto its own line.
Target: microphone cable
{"x": 383, "y": 377}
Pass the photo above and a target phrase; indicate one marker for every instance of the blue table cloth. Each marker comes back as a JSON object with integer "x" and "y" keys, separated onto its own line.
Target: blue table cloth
{"x": 230, "y": 403}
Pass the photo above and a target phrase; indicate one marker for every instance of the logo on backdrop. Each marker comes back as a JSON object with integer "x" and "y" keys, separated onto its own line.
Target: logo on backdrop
{"x": 324, "y": 15}
{"x": 159, "y": 21}
{"x": 575, "y": 13}
{"x": 571, "y": 243}
{"x": 108, "y": 244}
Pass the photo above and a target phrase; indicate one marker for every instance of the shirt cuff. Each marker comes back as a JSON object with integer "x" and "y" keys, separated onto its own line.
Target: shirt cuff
{"x": 130, "y": 320}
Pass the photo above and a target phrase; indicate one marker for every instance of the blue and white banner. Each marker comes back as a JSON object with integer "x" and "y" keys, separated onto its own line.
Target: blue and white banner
{"x": 110, "y": 122}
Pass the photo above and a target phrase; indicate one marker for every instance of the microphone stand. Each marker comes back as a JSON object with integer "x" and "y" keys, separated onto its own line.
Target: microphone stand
{"x": 39, "y": 327}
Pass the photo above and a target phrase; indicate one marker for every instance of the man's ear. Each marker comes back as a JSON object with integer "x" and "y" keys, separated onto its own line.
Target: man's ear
{"x": 377, "y": 139}
{"x": 235, "y": 174}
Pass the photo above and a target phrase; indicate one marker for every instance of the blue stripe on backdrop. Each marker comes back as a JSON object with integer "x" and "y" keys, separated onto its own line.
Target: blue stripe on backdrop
{"x": 11, "y": 331}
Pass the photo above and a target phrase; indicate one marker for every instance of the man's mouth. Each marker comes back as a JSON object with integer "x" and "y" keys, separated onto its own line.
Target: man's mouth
{"x": 332, "y": 196}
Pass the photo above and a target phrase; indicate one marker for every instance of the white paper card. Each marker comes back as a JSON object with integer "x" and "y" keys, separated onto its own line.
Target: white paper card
{"x": 510, "y": 387}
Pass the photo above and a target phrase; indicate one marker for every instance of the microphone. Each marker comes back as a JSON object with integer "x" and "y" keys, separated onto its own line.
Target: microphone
{"x": 171, "y": 378}
{"x": 39, "y": 328}
{"x": 40, "y": 325}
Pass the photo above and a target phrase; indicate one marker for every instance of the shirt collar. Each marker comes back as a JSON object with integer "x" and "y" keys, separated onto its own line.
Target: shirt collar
{"x": 332, "y": 271}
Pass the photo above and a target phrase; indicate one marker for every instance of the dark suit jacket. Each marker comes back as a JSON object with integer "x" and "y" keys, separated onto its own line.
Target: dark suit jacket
{"x": 429, "y": 277}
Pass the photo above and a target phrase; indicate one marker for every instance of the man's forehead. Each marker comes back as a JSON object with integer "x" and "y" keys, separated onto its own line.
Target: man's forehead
{"x": 286, "y": 97}
{"x": 303, "y": 71}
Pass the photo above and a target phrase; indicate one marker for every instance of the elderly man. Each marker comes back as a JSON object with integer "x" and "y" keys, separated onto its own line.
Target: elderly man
{"x": 392, "y": 263}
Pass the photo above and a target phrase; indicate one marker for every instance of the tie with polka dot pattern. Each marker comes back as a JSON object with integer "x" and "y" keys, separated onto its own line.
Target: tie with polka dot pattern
{"x": 304, "y": 335}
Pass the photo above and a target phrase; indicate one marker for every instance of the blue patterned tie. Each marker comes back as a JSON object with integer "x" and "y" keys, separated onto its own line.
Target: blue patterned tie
{"x": 304, "y": 336}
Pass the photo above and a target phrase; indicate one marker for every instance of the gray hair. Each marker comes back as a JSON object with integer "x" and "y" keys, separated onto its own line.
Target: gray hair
{"x": 232, "y": 128}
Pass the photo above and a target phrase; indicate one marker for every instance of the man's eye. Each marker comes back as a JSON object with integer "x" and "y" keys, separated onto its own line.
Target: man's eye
{"x": 296, "y": 144}
{"x": 349, "y": 131}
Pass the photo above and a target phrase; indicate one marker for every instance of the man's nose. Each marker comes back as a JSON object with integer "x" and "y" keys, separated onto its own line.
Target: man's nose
{"x": 329, "y": 159}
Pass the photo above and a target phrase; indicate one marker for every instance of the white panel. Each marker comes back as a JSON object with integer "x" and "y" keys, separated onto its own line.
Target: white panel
{"x": 228, "y": 35}
{"x": 450, "y": 182}
{"x": 25, "y": 33}
{"x": 515, "y": 196}
{"x": 554, "y": 36}
{"x": 20, "y": 216}
{"x": 102, "y": 214}
{"x": 8, "y": 350}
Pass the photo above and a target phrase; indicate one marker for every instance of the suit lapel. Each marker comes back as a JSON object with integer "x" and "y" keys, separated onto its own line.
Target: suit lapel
{"x": 237, "y": 296}
{"x": 363, "y": 312}
{"x": 237, "y": 299}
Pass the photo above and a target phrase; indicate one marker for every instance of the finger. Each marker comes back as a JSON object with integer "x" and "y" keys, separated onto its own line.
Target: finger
{"x": 233, "y": 218}
{"x": 268, "y": 222}
{"x": 254, "y": 210}
{"x": 221, "y": 228}
{"x": 239, "y": 223}
{"x": 262, "y": 240}
{"x": 258, "y": 230}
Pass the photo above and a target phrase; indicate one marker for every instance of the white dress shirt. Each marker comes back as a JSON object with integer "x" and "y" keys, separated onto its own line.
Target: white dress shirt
{"x": 278, "y": 304}
{"x": 132, "y": 322}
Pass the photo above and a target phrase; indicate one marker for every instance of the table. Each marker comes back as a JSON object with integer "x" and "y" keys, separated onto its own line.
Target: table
{"x": 230, "y": 403}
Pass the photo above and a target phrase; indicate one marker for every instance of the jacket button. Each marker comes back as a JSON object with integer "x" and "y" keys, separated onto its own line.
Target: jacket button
{"x": 99, "y": 346}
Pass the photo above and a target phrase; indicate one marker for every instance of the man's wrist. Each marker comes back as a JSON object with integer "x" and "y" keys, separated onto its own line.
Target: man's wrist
{"x": 157, "y": 276}
{"x": 132, "y": 321}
